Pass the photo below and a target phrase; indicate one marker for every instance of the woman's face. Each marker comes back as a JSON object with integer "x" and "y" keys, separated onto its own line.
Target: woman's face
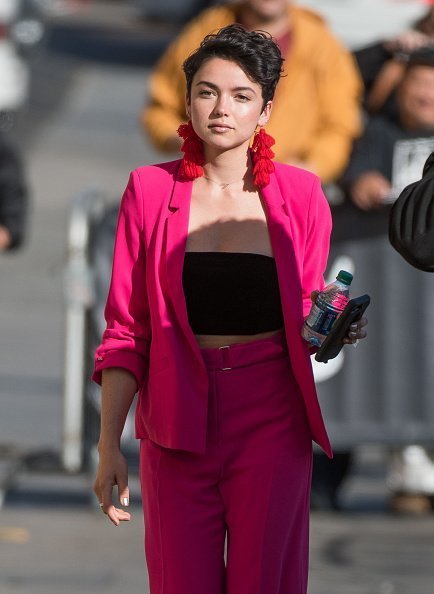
{"x": 225, "y": 105}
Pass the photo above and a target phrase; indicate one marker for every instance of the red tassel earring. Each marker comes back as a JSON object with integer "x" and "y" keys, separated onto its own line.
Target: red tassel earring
{"x": 192, "y": 147}
{"x": 261, "y": 156}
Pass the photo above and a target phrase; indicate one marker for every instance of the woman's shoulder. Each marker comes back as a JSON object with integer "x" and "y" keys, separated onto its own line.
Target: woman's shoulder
{"x": 157, "y": 172}
{"x": 150, "y": 185}
{"x": 294, "y": 175}
{"x": 301, "y": 189}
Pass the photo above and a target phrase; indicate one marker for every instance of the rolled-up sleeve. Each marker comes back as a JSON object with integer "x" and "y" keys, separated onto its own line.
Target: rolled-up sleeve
{"x": 126, "y": 339}
{"x": 317, "y": 245}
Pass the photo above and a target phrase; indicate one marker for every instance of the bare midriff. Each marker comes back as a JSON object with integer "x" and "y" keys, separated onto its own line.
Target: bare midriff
{"x": 213, "y": 341}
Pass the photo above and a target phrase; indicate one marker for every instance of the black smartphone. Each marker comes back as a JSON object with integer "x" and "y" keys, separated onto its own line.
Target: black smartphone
{"x": 333, "y": 344}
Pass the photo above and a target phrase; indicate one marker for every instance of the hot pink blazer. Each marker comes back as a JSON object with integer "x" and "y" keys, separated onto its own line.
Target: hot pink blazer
{"x": 147, "y": 324}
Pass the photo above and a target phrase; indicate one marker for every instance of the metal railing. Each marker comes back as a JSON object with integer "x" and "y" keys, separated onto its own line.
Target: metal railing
{"x": 87, "y": 208}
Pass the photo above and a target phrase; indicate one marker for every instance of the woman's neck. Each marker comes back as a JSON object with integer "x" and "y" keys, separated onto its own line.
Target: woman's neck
{"x": 227, "y": 166}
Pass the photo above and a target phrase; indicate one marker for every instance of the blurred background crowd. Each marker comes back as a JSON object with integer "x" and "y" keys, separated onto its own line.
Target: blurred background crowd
{"x": 90, "y": 89}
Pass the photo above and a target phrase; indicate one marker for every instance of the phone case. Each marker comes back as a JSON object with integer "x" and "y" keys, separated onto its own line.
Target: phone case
{"x": 333, "y": 344}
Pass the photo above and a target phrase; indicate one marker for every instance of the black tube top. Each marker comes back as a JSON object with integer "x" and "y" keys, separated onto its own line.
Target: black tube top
{"x": 231, "y": 293}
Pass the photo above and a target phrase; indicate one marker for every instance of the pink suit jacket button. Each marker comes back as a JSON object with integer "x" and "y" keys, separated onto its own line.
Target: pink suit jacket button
{"x": 100, "y": 358}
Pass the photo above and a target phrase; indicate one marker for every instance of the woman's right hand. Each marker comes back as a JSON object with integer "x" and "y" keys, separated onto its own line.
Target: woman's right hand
{"x": 112, "y": 470}
{"x": 408, "y": 41}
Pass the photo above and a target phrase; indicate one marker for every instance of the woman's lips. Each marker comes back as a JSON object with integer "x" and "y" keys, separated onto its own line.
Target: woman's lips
{"x": 221, "y": 128}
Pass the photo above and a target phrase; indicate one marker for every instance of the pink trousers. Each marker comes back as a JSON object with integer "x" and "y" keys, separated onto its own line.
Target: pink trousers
{"x": 251, "y": 487}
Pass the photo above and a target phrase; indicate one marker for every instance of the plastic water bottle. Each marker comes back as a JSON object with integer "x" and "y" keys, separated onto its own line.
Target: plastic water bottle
{"x": 328, "y": 306}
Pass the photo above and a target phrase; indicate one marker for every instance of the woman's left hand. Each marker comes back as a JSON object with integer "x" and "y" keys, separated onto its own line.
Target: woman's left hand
{"x": 356, "y": 332}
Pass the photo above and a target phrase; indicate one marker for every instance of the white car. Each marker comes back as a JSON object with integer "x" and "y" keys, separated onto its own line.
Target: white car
{"x": 14, "y": 75}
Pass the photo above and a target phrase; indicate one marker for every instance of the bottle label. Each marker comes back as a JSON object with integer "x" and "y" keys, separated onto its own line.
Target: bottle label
{"x": 321, "y": 320}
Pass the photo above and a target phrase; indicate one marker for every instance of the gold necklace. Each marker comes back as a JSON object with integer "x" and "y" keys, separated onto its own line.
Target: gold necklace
{"x": 222, "y": 185}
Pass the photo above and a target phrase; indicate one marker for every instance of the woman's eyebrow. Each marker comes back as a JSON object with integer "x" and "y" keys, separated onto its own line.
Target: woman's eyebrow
{"x": 213, "y": 86}
{"x": 244, "y": 89}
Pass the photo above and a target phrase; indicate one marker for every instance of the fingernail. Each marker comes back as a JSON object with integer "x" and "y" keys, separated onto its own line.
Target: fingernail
{"x": 356, "y": 343}
{"x": 353, "y": 334}
{"x": 353, "y": 326}
{"x": 125, "y": 501}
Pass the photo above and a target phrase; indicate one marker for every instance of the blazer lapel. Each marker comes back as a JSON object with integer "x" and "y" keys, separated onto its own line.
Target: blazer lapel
{"x": 176, "y": 230}
{"x": 279, "y": 225}
{"x": 279, "y": 228}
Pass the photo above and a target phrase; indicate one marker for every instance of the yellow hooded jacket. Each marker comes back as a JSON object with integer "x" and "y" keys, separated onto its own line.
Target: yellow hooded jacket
{"x": 316, "y": 109}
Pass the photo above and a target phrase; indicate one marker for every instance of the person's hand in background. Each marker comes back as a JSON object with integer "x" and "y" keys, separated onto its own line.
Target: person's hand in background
{"x": 5, "y": 238}
{"x": 370, "y": 190}
{"x": 408, "y": 41}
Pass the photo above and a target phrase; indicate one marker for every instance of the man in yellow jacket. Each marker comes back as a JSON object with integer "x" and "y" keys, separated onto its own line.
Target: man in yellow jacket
{"x": 316, "y": 109}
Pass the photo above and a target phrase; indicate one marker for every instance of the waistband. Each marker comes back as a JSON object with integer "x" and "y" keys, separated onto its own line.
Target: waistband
{"x": 242, "y": 354}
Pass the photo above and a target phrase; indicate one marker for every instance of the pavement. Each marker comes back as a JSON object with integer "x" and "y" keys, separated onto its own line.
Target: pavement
{"x": 80, "y": 129}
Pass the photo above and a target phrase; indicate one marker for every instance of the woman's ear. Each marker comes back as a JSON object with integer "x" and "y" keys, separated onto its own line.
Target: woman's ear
{"x": 265, "y": 115}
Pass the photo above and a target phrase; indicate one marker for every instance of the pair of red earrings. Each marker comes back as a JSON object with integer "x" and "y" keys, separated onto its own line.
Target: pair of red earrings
{"x": 193, "y": 159}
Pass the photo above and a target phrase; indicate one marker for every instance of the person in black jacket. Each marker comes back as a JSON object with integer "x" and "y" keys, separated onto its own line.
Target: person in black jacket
{"x": 411, "y": 225}
{"x": 13, "y": 196}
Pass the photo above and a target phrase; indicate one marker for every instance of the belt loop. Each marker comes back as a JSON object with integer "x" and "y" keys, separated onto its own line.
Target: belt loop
{"x": 225, "y": 358}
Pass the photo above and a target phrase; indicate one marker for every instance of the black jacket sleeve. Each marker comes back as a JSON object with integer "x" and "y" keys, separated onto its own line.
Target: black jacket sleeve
{"x": 428, "y": 168}
{"x": 13, "y": 192}
{"x": 411, "y": 224}
{"x": 370, "y": 60}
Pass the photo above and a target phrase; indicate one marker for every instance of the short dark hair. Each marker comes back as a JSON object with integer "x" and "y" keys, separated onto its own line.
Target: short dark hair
{"x": 426, "y": 23}
{"x": 423, "y": 56}
{"x": 255, "y": 52}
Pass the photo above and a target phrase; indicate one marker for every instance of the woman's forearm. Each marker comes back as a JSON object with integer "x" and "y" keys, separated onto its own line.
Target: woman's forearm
{"x": 118, "y": 389}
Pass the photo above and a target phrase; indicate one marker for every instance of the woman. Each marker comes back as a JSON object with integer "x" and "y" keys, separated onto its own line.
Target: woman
{"x": 215, "y": 260}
